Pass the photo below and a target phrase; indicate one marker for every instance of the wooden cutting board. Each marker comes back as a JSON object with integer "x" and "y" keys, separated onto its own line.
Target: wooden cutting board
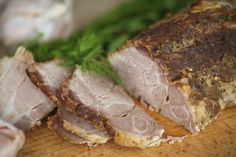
{"x": 217, "y": 140}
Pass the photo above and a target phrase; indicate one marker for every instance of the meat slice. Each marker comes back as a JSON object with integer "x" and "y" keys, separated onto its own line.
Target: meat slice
{"x": 48, "y": 77}
{"x": 56, "y": 125}
{"x": 11, "y": 140}
{"x": 5, "y": 63}
{"x": 109, "y": 108}
{"x": 82, "y": 128}
{"x": 21, "y": 103}
{"x": 184, "y": 66}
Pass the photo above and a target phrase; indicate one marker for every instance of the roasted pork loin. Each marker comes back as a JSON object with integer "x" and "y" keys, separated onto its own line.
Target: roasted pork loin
{"x": 98, "y": 100}
{"x": 21, "y": 103}
{"x": 11, "y": 139}
{"x": 185, "y": 66}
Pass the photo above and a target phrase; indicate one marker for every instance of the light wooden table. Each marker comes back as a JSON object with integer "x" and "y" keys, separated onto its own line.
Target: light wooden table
{"x": 217, "y": 140}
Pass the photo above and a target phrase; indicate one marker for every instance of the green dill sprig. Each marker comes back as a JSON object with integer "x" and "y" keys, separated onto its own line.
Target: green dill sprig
{"x": 90, "y": 47}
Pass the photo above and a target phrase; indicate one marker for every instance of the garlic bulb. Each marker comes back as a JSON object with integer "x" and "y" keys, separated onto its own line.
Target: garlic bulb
{"x": 25, "y": 19}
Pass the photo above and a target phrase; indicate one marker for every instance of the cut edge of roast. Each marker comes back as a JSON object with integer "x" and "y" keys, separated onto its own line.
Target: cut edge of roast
{"x": 121, "y": 61}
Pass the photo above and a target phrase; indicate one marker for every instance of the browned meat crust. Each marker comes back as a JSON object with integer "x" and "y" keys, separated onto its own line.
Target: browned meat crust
{"x": 71, "y": 103}
{"x": 201, "y": 49}
{"x": 60, "y": 73}
{"x": 38, "y": 81}
{"x": 196, "y": 52}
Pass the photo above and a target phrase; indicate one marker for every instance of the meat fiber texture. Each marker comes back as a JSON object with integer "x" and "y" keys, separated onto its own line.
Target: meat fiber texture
{"x": 11, "y": 139}
{"x": 184, "y": 66}
{"x": 56, "y": 125}
{"x": 26, "y": 19}
{"x": 48, "y": 77}
{"x": 98, "y": 100}
{"x": 21, "y": 103}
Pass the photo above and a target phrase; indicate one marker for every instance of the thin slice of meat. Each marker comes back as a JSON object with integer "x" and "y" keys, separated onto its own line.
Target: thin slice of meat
{"x": 184, "y": 66}
{"x": 48, "y": 77}
{"x": 11, "y": 139}
{"x": 56, "y": 125}
{"x": 81, "y": 127}
{"x": 5, "y": 63}
{"x": 21, "y": 103}
{"x": 98, "y": 100}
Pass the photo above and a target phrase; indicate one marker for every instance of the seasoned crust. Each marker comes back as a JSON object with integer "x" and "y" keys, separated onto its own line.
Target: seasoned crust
{"x": 209, "y": 66}
{"x": 196, "y": 53}
{"x": 48, "y": 76}
{"x": 189, "y": 28}
{"x": 201, "y": 49}
{"x": 71, "y": 103}
{"x": 38, "y": 81}
{"x": 190, "y": 25}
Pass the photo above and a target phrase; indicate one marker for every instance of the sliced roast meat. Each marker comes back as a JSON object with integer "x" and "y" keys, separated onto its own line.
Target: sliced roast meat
{"x": 110, "y": 109}
{"x": 21, "y": 103}
{"x": 184, "y": 66}
{"x": 48, "y": 77}
{"x": 82, "y": 127}
{"x": 5, "y": 63}
{"x": 56, "y": 125}
{"x": 11, "y": 139}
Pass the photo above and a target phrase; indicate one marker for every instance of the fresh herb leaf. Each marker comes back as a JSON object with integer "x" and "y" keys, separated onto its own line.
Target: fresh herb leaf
{"x": 90, "y": 47}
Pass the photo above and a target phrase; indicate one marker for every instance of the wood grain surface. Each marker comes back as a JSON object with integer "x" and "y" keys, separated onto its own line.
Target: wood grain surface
{"x": 217, "y": 140}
